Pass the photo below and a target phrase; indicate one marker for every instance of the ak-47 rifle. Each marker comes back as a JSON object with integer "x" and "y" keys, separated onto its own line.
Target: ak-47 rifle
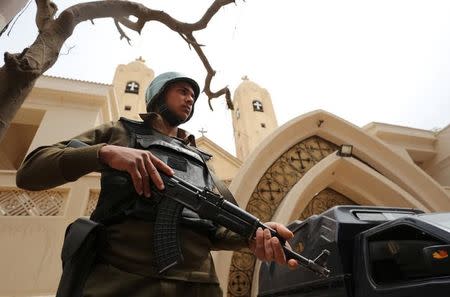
{"x": 211, "y": 206}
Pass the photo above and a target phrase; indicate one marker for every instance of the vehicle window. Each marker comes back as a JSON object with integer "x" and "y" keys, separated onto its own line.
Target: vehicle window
{"x": 399, "y": 255}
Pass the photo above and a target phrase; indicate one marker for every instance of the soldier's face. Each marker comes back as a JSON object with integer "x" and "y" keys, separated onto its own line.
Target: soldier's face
{"x": 180, "y": 99}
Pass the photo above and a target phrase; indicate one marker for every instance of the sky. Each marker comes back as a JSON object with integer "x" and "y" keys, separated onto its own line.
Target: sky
{"x": 364, "y": 61}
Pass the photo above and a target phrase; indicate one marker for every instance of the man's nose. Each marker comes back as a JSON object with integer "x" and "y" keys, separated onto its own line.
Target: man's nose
{"x": 189, "y": 99}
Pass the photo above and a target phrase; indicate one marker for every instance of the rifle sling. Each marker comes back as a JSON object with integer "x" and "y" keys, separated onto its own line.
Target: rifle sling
{"x": 220, "y": 185}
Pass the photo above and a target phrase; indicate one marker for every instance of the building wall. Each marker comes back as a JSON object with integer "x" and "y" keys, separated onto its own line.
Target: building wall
{"x": 130, "y": 83}
{"x": 439, "y": 167}
{"x": 32, "y": 224}
{"x": 253, "y": 117}
{"x": 224, "y": 165}
{"x": 427, "y": 149}
{"x": 280, "y": 180}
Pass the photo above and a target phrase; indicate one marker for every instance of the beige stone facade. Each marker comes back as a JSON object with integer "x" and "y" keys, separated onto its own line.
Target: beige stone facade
{"x": 281, "y": 173}
{"x": 253, "y": 117}
{"x": 129, "y": 84}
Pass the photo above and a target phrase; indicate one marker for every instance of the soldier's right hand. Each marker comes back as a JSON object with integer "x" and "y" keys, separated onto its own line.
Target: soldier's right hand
{"x": 141, "y": 165}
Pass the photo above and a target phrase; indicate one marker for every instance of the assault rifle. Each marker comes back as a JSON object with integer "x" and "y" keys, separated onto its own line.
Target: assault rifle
{"x": 211, "y": 206}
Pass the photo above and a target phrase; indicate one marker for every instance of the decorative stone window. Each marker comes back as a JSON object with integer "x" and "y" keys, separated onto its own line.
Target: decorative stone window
{"x": 132, "y": 87}
{"x": 128, "y": 107}
{"x": 263, "y": 125}
{"x": 257, "y": 106}
{"x": 92, "y": 202}
{"x": 15, "y": 202}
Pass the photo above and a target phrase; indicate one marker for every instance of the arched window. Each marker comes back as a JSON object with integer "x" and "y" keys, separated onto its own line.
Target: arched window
{"x": 132, "y": 87}
{"x": 257, "y": 106}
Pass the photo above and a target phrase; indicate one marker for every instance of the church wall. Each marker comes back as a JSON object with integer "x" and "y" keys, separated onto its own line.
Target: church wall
{"x": 68, "y": 110}
{"x": 402, "y": 152}
{"x": 439, "y": 166}
{"x": 33, "y": 231}
{"x": 32, "y": 224}
{"x": 130, "y": 83}
{"x": 224, "y": 165}
{"x": 60, "y": 124}
{"x": 348, "y": 176}
{"x": 447, "y": 189}
{"x": 253, "y": 117}
{"x": 223, "y": 168}
{"x": 339, "y": 131}
{"x": 418, "y": 144}
{"x": 375, "y": 174}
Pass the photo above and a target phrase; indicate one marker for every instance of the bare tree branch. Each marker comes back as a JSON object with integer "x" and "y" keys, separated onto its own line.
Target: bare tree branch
{"x": 68, "y": 51}
{"x": 212, "y": 10}
{"x": 136, "y": 26}
{"x": 46, "y": 10}
{"x": 210, "y": 74}
{"x": 121, "y": 32}
{"x": 20, "y": 71}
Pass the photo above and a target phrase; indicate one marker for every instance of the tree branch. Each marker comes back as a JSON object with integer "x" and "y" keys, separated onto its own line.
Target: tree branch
{"x": 121, "y": 12}
{"x": 20, "y": 71}
{"x": 212, "y": 10}
{"x": 210, "y": 74}
{"x": 121, "y": 32}
{"x": 136, "y": 26}
{"x": 46, "y": 10}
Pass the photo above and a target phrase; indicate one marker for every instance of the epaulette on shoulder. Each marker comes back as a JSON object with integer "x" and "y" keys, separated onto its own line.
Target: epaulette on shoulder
{"x": 130, "y": 121}
{"x": 136, "y": 126}
{"x": 207, "y": 156}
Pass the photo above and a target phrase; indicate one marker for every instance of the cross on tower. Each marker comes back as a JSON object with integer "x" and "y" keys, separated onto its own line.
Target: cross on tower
{"x": 203, "y": 131}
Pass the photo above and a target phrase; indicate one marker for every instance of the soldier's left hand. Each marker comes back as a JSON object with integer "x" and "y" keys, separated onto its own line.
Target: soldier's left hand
{"x": 268, "y": 248}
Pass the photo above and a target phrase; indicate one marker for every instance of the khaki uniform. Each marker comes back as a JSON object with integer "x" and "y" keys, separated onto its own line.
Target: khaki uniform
{"x": 125, "y": 266}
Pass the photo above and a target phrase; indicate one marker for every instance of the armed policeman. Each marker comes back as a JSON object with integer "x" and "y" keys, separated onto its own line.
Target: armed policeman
{"x": 130, "y": 154}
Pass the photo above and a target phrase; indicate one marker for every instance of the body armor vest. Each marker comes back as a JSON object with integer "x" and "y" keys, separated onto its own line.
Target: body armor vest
{"x": 118, "y": 198}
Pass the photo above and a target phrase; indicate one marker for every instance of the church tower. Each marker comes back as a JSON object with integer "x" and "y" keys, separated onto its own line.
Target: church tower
{"x": 129, "y": 84}
{"x": 253, "y": 117}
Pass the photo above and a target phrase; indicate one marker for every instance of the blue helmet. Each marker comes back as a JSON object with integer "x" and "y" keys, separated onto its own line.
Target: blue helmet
{"x": 160, "y": 83}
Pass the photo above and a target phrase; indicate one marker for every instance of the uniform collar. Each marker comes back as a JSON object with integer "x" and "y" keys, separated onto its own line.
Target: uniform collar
{"x": 155, "y": 121}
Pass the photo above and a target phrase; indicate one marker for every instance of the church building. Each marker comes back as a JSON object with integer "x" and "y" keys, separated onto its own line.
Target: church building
{"x": 280, "y": 173}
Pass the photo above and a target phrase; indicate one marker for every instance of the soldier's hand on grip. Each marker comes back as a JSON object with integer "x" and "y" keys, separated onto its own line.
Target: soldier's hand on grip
{"x": 142, "y": 166}
{"x": 268, "y": 248}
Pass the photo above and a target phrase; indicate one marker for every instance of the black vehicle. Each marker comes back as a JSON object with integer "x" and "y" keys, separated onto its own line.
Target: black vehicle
{"x": 374, "y": 251}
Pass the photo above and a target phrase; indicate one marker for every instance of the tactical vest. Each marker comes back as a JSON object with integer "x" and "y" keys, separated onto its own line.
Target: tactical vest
{"x": 118, "y": 198}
